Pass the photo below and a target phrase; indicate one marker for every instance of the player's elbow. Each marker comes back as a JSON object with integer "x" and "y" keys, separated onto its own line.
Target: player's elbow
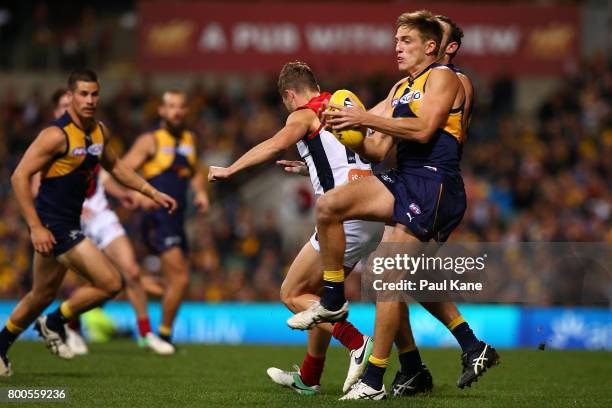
{"x": 424, "y": 135}
{"x": 17, "y": 178}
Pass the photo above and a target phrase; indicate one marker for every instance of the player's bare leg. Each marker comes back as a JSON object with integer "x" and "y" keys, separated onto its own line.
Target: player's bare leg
{"x": 364, "y": 199}
{"x": 176, "y": 272}
{"x": 413, "y": 376}
{"x": 48, "y": 275}
{"x": 89, "y": 262}
{"x": 386, "y": 328}
{"x": 121, "y": 253}
{"x": 298, "y": 293}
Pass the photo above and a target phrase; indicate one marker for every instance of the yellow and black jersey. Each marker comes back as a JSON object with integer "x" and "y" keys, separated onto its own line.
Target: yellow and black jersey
{"x": 71, "y": 176}
{"x": 443, "y": 151}
{"x": 173, "y": 164}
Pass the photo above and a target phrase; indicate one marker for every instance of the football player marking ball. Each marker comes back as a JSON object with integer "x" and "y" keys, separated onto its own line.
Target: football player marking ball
{"x": 353, "y": 137}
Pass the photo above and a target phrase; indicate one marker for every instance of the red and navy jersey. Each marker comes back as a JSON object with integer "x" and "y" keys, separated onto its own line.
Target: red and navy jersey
{"x": 71, "y": 176}
{"x": 329, "y": 162}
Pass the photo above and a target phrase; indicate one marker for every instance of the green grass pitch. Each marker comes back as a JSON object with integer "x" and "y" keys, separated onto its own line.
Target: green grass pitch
{"x": 119, "y": 374}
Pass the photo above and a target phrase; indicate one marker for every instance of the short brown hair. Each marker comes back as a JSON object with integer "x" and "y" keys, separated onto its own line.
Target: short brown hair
{"x": 298, "y": 76}
{"x": 425, "y": 23}
{"x": 84, "y": 75}
{"x": 456, "y": 33}
{"x": 57, "y": 95}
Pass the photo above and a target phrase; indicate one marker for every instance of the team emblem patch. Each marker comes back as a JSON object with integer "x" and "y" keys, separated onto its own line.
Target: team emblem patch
{"x": 415, "y": 208}
{"x": 79, "y": 151}
{"x": 95, "y": 149}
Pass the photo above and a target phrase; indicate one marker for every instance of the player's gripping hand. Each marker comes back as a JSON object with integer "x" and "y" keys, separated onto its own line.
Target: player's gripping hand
{"x": 42, "y": 240}
{"x": 218, "y": 173}
{"x": 294, "y": 166}
{"x": 340, "y": 117}
{"x": 165, "y": 201}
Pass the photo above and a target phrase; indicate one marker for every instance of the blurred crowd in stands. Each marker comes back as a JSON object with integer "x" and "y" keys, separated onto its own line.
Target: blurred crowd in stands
{"x": 530, "y": 176}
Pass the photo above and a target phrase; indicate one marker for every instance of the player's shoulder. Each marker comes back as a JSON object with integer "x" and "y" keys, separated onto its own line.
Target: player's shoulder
{"x": 302, "y": 115}
{"x": 104, "y": 128}
{"x": 53, "y": 138}
{"x": 443, "y": 73}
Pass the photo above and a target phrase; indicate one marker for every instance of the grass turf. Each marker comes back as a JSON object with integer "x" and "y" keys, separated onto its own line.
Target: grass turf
{"x": 119, "y": 374}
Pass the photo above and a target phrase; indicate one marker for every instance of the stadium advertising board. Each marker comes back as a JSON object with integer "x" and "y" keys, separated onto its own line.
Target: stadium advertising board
{"x": 499, "y": 39}
{"x": 506, "y": 326}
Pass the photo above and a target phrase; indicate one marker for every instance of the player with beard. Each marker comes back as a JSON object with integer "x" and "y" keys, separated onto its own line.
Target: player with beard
{"x": 167, "y": 158}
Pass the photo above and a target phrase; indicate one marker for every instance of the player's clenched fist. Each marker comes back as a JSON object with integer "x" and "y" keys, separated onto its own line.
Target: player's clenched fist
{"x": 218, "y": 173}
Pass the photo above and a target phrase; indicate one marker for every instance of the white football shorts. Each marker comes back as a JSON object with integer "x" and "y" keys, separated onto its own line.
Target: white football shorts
{"x": 362, "y": 238}
{"x": 102, "y": 227}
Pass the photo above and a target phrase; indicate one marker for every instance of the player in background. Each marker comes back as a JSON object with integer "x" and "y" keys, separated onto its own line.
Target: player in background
{"x": 69, "y": 153}
{"x": 429, "y": 140}
{"x": 101, "y": 225}
{"x": 330, "y": 165}
{"x": 167, "y": 158}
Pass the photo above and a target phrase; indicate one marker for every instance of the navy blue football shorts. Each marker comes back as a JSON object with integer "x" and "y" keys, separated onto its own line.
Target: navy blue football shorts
{"x": 429, "y": 204}
{"x": 67, "y": 234}
{"x": 162, "y": 231}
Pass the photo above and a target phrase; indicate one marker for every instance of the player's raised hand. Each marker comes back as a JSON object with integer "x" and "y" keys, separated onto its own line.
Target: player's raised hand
{"x": 42, "y": 240}
{"x": 165, "y": 201}
{"x": 218, "y": 173}
{"x": 294, "y": 166}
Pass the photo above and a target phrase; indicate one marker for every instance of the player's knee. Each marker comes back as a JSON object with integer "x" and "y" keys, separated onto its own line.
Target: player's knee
{"x": 287, "y": 298}
{"x": 327, "y": 209}
{"x": 114, "y": 286}
{"x": 132, "y": 275}
{"x": 181, "y": 280}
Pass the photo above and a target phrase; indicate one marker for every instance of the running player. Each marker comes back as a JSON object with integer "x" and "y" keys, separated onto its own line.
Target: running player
{"x": 167, "y": 157}
{"x": 69, "y": 153}
{"x": 330, "y": 165}
{"x": 101, "y": 225}
{"x": 429, "y": 142}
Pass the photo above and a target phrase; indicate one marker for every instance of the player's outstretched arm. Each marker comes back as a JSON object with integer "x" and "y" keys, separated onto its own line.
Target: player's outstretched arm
{"x": 298, "y": 124}
{"x": 126, "y": 176}
{"x": 49, "y": 142}
{"x": 127, "y": 197}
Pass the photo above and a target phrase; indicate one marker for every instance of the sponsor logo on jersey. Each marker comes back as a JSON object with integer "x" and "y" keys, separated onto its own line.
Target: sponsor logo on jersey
{"x": 407, "y": 98}
{"x": 184, "y": 150}
{"x": 95, "y": 149}
{"x": 414, "y": 208}
{"x": 168, "y": 149}
{"x": 79, "y": 151}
